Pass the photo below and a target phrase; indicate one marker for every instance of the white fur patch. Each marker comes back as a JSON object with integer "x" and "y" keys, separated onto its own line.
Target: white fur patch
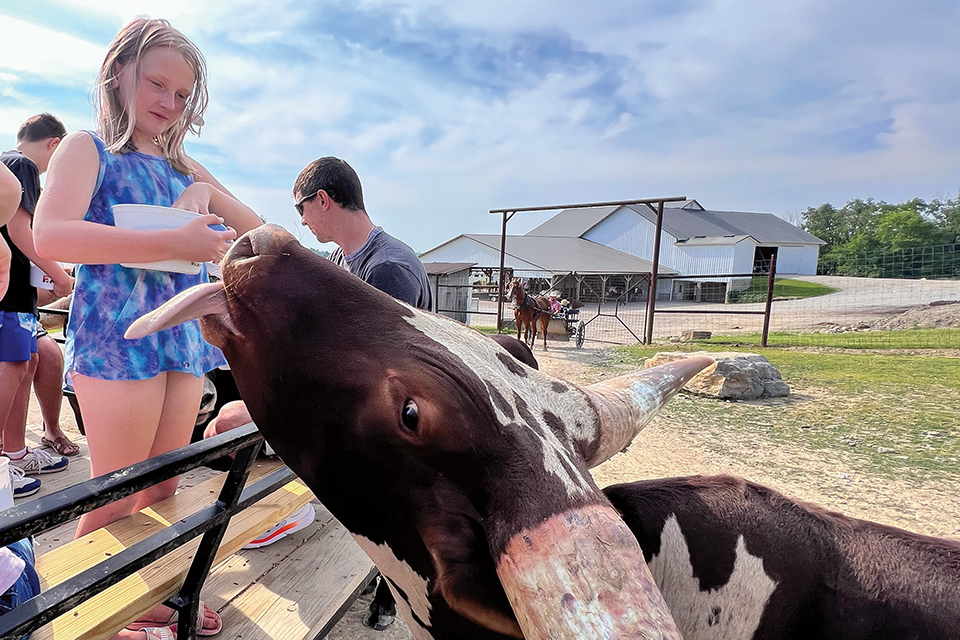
{"x": 535, "y": 388}
{"x": 731, "y": 612}
{"x": 413, "y": 584}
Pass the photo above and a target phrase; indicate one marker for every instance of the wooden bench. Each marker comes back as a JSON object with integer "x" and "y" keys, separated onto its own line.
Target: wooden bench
{"x": 284, "y": 592}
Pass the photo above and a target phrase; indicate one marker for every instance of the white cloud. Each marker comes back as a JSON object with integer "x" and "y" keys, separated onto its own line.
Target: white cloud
{"x": 57, "y": 57}
{"x": 450, "y": 109}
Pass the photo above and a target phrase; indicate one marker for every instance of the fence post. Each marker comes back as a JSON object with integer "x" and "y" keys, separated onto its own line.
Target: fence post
{"x": 503, "y": 246}
{"x": 769, "y": 304}
{"x": 652, "y": 294}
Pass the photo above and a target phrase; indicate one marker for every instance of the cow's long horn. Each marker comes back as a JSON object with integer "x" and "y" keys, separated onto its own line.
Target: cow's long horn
{"x": 627, "y": 403}
{"x": 581, "y": 574}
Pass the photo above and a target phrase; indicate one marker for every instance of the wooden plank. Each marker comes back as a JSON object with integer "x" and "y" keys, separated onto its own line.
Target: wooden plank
{"x": 296, "y": 588}
{"x": 99, "y": 617}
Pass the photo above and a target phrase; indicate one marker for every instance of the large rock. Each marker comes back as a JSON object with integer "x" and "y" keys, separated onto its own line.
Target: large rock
{"x": 732, "y": 376}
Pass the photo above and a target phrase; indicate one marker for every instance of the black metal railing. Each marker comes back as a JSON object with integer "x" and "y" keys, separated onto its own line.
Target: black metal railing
{"x": 211, "y": 522}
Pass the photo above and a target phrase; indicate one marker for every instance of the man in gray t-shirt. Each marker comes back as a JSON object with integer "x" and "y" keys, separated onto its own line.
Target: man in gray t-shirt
{"x": 329, "y": 199}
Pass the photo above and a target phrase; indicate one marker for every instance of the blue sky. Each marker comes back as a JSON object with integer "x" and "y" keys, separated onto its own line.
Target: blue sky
{"x": 450, "y": 109}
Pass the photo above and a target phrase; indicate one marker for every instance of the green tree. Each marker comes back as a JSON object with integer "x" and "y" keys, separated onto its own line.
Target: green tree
{"x": 901, "y": 228}
{"x": 839, "y": 226}
{"x": 946, "y": 215}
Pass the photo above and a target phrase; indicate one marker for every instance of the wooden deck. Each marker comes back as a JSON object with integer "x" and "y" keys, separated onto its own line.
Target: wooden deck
{"x": 297, "y": 587}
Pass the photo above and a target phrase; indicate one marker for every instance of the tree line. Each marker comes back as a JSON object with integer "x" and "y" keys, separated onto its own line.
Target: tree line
{"x": 914, "y": 239}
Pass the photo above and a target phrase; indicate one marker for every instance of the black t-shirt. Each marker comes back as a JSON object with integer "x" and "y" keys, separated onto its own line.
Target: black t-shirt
{"x": 20, "y": 295}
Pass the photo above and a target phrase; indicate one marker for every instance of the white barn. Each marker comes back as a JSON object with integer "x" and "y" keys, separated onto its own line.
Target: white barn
{"x": 695, "y": 243}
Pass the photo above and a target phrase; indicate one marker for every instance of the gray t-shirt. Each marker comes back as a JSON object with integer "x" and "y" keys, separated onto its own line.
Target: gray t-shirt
{"x": 389, "y": 265}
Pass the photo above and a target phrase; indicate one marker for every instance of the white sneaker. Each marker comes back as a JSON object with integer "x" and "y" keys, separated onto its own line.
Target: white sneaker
{"x": 39, "y": 461}
{"x": 297, "y": 520}
{"x": 22, "y": 485}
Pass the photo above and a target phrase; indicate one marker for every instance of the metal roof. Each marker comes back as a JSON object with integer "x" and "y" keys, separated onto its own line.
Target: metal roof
{"x": 684, "y": 221}
{"x": 568, "y": 255}
{"x": 446, "y": 268}
{"x": 572, "y": 223}
{"x": 765, "y": 228}
{"x": 714, "y": 241}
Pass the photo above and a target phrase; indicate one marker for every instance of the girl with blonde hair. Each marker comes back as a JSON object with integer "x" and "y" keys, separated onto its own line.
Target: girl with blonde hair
{"x": 139, "y": 398}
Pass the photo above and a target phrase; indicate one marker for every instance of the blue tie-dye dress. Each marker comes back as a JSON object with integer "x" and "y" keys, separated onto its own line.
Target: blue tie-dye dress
{"x": 109, "y": 297}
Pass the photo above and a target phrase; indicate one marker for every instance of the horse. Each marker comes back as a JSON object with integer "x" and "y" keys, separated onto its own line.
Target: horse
{"x": 529, "y": 312}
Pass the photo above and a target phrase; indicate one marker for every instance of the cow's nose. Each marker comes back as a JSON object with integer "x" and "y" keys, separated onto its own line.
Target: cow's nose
{"x": 241, "y": 248}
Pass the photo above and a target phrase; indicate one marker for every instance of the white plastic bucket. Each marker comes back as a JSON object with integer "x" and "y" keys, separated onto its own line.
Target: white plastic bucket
{"x": 6, "y": 488}
{"x": 152, "y": 217}
{"x": 39, "y": 279}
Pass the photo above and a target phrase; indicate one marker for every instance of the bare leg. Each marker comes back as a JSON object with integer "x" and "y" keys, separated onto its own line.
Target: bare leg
{"x": 131, "y": 420}
{"x": 47, "y": 385}
{"x": 128, "y": 421}
{"x": 177, "y": 419}
{"x": 15, "y": 382}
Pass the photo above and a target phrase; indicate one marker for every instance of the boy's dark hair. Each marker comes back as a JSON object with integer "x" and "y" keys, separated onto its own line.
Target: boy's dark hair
{"x": 41, "y": 127}
{"x": 334, "y": 176}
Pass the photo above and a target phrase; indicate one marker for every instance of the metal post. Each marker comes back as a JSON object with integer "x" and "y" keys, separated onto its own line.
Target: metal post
{"x": 652, "y": 294}
{"x": 187, "y": 602}
{"x": 769, "y": 305}
{"x": 503, "y": 247}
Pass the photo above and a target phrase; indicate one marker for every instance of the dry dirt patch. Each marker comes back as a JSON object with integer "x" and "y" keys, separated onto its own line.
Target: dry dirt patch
{"x": 936, "y": 315}
{"x": 673, "y": 445}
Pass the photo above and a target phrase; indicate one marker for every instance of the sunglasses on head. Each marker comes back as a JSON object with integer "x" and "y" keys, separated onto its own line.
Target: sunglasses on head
{"x": 298, "y": 205}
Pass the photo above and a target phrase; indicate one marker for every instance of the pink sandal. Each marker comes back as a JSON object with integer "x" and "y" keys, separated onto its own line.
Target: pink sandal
{"x": 169, "y": 624}
{"x": 159, "y": 633}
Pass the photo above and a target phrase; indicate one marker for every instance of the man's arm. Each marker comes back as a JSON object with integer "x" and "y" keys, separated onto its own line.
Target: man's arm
{"x": 396, "y": 281}
{"x": 22, "y": 235}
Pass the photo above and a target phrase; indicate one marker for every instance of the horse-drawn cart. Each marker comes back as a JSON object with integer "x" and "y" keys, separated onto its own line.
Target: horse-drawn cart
{"x": 543, "y": 314}
{"x": 567, "y": 324}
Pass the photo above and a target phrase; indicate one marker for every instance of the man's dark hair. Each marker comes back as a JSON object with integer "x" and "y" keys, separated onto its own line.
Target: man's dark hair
{"x": 41, "y": 127}
{"x": 334, "y": 176}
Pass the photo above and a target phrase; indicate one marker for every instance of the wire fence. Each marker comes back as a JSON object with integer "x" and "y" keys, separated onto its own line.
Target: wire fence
{"x": 940, "y": 262}
{"x": 830, "y": 311}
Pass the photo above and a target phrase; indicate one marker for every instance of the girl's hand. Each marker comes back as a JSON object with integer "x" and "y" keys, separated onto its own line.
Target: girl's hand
{"x": 196, "y": 197}
{"x": 199, "y": 243}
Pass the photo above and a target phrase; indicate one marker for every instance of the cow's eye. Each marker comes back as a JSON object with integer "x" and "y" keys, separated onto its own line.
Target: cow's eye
{"x": 410, "y": 416}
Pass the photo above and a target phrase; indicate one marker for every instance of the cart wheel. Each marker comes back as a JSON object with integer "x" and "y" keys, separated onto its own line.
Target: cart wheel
{"x": 581, "y": 330}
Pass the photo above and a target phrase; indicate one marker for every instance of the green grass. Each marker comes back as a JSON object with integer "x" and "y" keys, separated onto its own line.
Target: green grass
{"x": 782, "y": 288}
{"x": 899, "y": 339}
{"x": 489, "y": 330}
{"x": 891, "y": 414}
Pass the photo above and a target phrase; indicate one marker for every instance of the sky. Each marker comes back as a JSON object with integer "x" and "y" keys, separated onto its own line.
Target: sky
{"x": 450, "y": 109}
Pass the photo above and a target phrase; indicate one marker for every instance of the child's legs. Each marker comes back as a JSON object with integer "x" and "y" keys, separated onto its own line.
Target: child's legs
{"x": 48, "y": 381}
{"x": 17, "y": 364}
{"x": 12, "y": 375}
{"x": 121, "y": 418}
{"x": 15, "y": 427}
{"x": 177, "y": 419}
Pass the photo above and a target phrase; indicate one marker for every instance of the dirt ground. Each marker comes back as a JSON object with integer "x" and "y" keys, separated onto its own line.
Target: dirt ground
{"x": 668, "y": 447}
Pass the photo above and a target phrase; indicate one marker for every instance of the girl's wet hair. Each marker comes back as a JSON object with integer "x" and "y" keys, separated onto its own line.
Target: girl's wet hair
{"x": 116, "y": 121}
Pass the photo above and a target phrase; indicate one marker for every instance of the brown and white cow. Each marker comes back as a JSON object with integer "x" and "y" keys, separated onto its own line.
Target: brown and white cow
{"x": 739, "y": 561}
{"x": 461, "y": 472}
